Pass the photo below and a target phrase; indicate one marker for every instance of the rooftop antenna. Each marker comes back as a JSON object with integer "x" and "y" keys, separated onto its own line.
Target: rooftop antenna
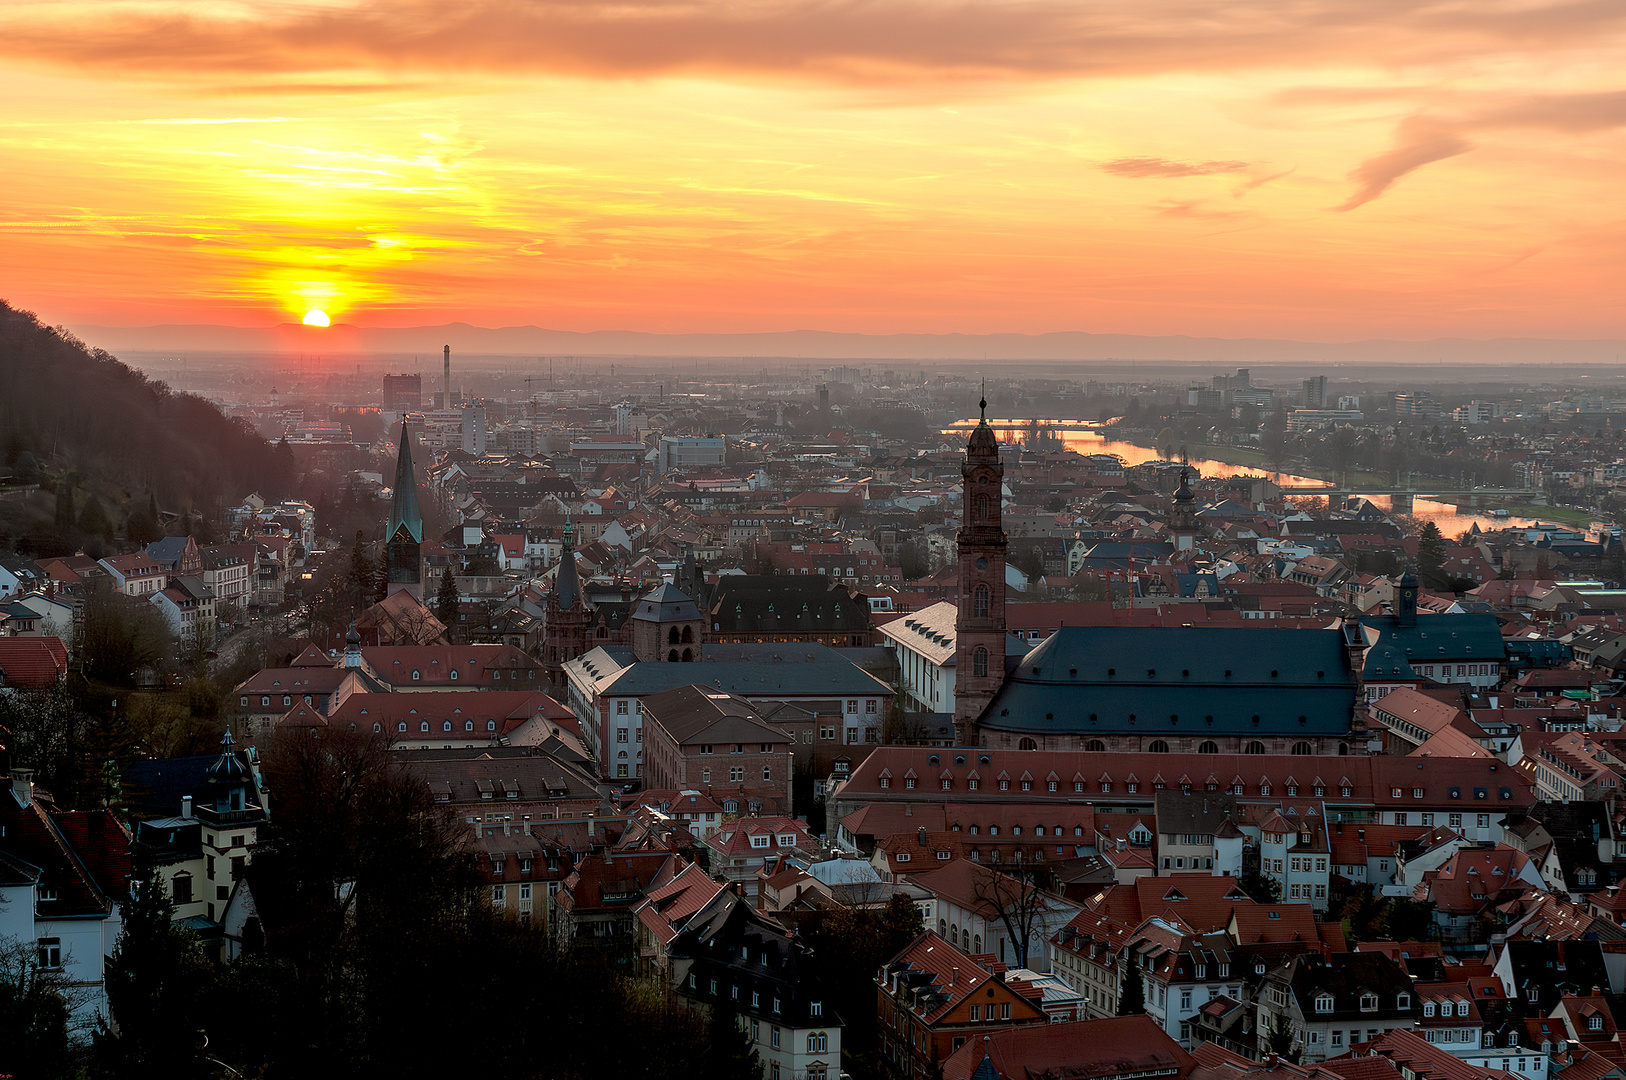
{"x": 983, "y": 404}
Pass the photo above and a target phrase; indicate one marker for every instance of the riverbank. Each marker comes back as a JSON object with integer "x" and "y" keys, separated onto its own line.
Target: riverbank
{"x": 1247, "y": 457}
{"x": 1558, "y": 515}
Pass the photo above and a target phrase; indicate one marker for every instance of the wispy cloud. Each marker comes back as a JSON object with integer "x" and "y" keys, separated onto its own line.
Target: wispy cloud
{"x": 866, "y": 42}
{"x": 1143, "y": 167}
{"x": 1417, "y": 142}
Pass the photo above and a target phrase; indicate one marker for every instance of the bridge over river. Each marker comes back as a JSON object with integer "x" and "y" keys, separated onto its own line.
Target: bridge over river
{"x": 1401, "y": 499}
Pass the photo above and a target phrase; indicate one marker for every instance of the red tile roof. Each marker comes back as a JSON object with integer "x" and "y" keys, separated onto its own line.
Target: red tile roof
{"x": 1079, "y": 1050}
{"x": 32, "y": 663}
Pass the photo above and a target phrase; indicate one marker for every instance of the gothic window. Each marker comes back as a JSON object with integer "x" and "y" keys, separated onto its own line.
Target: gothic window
{"x": 688, "y": 655}
{"x": 979, "y": 663}
{"x": 688, "y": 635}
{"x": 672, "y": 636}
{"x": 979, "y": 602}
{"x": 672, "y": 656}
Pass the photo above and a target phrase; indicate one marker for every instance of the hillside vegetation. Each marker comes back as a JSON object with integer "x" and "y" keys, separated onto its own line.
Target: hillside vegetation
{"x": 106, "y": 444}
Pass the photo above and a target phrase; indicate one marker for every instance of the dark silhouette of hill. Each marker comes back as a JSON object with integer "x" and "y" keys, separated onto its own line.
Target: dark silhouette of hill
{"x": 75, "y": 416}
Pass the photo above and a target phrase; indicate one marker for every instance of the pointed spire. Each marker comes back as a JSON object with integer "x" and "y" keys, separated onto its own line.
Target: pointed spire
{"x": 983, "y": 404}
{"x": 404, "y": 499}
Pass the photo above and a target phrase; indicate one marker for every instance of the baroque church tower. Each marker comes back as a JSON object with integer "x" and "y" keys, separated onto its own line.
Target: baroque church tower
{"x": 403, "y": 536}
{"x": 979, "y": 651}
{"x": 566, "y": 615}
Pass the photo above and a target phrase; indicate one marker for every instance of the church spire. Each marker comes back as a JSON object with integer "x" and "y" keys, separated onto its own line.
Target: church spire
{"x": 404, "y": 499}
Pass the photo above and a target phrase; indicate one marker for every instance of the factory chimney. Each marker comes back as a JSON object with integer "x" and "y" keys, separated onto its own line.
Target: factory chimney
{"x": 446, "y": 383}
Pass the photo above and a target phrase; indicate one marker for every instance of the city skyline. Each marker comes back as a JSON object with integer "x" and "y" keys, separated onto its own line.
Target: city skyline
{"x": 1331, "y": 172}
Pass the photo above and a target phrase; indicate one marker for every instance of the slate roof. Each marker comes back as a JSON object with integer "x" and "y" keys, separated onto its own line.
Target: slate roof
{"x": 690, "y": 713}
{"x": 1178, "y": 680}
{"x": 1437, "y": 638}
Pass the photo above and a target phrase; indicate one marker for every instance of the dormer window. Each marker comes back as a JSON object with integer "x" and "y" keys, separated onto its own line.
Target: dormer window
{"x": 1594, "y": 1023}
{"x": 1428, "y": 1009}
{"x": 1323, "y": 1003}
{"x": 1403, "y": 1002}
{"x": 1369, "y": 1003}
{"x": 416, "y": 675}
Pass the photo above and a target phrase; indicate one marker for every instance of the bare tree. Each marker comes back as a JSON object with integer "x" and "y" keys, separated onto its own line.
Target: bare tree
{"x": 1017, "y": 901}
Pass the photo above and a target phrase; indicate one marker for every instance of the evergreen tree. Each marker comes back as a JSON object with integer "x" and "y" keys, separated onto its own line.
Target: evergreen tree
{"x": 1132, "y": 999}
{"x": 93, "y": 520}
{"x": 729, "y": 1051}
{"x": 64, "y": 509}
{"x": 1431, "y": 556}
{"x": 157, "y": 980}
{"x": 363, "y": 573}
{"x": 142, "y": 527}
{"x": 446, "y": 601}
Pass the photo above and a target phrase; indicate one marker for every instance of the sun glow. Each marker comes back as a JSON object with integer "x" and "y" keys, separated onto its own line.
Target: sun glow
{"x": 316, "y": 317}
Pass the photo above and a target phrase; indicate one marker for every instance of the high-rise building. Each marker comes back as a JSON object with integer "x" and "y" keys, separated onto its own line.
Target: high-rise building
{"x": 403, "y": 393}
{"x": 1315, "y": 392}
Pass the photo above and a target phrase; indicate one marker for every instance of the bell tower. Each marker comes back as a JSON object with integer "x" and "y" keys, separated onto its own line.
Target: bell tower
{"x": 979, "y": 626}
{"x": 403, "y": 536}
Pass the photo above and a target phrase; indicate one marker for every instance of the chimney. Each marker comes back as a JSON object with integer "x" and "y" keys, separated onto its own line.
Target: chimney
{"x": 186, "y": 807}
{"x": 954, "y": 975}
{"x": 446, "y": 384}
{"x": 922, "y": 836}
{"x": 1360, "y": 834}
{"x": 1272, "y": 1061}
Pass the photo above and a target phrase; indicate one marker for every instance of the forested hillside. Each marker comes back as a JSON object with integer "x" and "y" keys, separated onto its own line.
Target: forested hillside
{"x": 74, "y": 416}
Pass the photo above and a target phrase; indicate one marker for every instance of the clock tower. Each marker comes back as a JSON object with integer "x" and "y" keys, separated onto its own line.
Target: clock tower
{"x": 979, "y": 626}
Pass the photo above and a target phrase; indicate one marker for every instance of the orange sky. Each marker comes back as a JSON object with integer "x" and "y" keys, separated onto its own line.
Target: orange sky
{"x": 1321, "y": 169}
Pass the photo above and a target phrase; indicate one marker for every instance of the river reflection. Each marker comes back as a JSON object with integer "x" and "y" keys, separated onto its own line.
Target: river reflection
{"x": 1081, "y": 436}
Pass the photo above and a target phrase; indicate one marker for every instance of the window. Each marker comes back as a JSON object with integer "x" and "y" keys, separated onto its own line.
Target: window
{"x": 1005, "y": 1010}
{"x": 1369, "y": 1002}
{"x": 1484, "y": 821}
{"x": 773, "y": 1037}
{"x": 815, "y": 1008}
{"x": 50, "y": 953}
{"x": 180, "y": 889}
{"x": 1428, "y": 1009}
{"x": 1185, "y": 1000}
{"x": 1323, "y": 1003}
{"x": 499, "y": 895}
{"x": 979, "y": 602}
{"x": 1337, "y": 1038}
{"x": 976, "y": 1012}
{"x": 817, "y": 1042}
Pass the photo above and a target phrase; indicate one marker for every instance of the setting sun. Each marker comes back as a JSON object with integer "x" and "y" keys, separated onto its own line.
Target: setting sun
{"x": 316, "y": 317}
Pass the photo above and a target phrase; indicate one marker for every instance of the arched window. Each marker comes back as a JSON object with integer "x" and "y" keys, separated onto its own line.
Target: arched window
{"x": 979, "y": 663}
{"x": 468, "y": 725}
{"x": 1254, "y": 748}
{"x": 491, "y": 725}
{"x": 688, "y": 634}
{"x": 377, "y": 728}
{"x": 424, "y": 726}
{"x": 401, "y": 726}
{"x": 1096, "y": 746}
{"x": 1027, "y": 744}
{"x": 688, "y": 655}
{"x": 1158, "y": 747}
{"x": 982, "y": 508}
{"x": 979, "y": 602}
{"x": 672, "y": 636}
{"x": 817, "y": 1042}
{"x": 1343, "y": 749}
{"x": 672, "y": 656}
{"x": 1302, "y": 749}
{"x": 446, "y": 725}
{"x": 1209, "y": 747}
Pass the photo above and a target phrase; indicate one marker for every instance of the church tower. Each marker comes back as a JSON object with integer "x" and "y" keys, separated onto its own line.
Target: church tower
{"x": 1183, "y": 524}
{"x": 404, "y": 534}
{"x": 566, "y": 614}
{"x": 979, "y": 650}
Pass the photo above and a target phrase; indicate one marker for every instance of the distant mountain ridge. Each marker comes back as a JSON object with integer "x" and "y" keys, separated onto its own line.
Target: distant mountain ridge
{"x": 818, "y": 344}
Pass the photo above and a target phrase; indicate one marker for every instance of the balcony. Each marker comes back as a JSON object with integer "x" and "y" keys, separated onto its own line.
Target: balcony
{"x": 211, "y": 816}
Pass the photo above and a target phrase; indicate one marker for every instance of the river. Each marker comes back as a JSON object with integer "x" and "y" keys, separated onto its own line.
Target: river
{"x": 1083, "y": 437}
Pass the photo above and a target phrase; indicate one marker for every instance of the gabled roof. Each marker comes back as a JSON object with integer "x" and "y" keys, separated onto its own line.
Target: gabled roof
{"x": 32, "y": 663}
